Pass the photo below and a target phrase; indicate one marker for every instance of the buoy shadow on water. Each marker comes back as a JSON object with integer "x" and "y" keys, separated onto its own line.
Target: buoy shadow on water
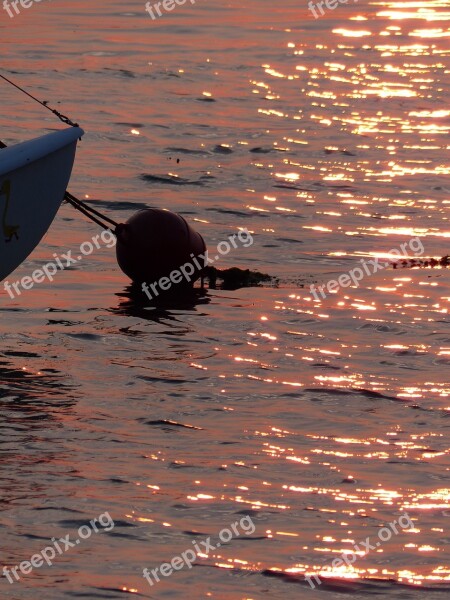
{"x": 134, "y": 303}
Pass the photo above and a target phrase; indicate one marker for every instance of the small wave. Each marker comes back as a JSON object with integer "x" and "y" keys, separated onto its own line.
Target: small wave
{"x": 170, "y": 180}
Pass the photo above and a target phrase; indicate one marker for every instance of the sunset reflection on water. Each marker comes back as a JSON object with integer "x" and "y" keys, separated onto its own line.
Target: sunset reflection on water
{"x": 324, "y": 419}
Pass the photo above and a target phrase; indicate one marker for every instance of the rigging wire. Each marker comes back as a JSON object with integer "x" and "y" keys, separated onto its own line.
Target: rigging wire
{"x": 82, "y": 207}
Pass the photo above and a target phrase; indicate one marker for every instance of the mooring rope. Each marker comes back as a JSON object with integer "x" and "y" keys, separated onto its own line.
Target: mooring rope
{"x": 89, "y": 211}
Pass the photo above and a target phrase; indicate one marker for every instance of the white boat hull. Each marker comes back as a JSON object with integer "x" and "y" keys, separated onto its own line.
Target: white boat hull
{"x": 33, "y": 179}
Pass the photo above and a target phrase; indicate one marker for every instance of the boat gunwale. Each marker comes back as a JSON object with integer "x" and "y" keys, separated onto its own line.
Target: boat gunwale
{"x": 20, "y": 155}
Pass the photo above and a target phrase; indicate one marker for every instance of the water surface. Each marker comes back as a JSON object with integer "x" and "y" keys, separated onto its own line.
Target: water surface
{"x": 322, "y": 420}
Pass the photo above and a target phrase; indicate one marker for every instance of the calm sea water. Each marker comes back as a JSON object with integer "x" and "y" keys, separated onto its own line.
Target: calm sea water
{"x": 322, "y": 421}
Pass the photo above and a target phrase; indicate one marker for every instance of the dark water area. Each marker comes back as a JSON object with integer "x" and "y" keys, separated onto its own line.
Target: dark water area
{"x": 321, "y": 419}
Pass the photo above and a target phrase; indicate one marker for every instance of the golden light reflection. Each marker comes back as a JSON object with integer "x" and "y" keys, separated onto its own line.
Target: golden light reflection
{"x": 375, "y": 125}
{"x": 352, "y": 32}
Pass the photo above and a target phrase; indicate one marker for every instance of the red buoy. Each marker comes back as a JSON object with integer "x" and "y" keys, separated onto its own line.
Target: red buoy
{"x": 155, "y": 243}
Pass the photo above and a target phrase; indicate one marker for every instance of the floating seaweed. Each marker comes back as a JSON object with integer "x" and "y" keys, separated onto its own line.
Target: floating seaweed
{"x": 234, "y": 278}
{"x": 409, "y": 263}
